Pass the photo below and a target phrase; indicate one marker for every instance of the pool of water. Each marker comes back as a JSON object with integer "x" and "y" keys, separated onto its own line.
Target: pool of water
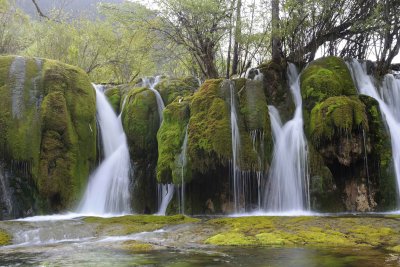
{"x": 71, "y": 242}
{"x": 93, "y": 253}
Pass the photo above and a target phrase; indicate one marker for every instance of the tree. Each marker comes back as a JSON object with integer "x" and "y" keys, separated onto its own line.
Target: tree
{"x": 308, "y": 25}
{"x": 388, "y": 34}
{"x": 14, "y": 28}
{"x": 108, "y": 49}
{"x": 197, "y": 26}
{"x": 276, "y": 42}
{"x": 238, "y": 33}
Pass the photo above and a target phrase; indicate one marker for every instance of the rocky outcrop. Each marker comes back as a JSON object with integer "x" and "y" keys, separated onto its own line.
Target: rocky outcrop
{"x": 48, "y": 131}
{"x": 346, "y": 139}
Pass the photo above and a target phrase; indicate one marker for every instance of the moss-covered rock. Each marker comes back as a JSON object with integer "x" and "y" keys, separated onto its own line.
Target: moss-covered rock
{"x": 380, "y": 161}
{"x": 337, "y": 116}
{"x": 114, "y": 97}
{"x": 141, "y": 121}
{"x": 48, "y": 125}
{"x": 5, "y": 238}
{"x": 305, "y": 231}
{"x": 254, "y": 122}
{"x": 130, "y": 224}
{"x": 170, "y": 138}
{"x": 348, "y": 138}
{"x": 324, "y": 78}
{"x": 209, "y": 128}
{"x": 276, "y": 88}
{"x": 171, "y": 88}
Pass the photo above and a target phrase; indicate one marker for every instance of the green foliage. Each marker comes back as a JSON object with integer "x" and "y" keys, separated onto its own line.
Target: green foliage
{"x": 14, "y": 28}
{"x": 109, "y": 49}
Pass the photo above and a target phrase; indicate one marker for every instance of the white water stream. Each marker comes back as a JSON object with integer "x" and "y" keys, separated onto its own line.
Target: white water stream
{"x": 287, "y": 186}
{"x": 108, "y": 188}
{"x": 165, "y": 191}
{"x": 389, "y": 105}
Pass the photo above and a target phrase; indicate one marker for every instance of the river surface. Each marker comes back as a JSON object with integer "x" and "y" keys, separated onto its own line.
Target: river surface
{"x": 73, "y": 242}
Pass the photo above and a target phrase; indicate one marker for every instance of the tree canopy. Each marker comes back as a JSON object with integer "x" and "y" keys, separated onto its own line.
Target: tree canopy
{"x": 208, "y": 39}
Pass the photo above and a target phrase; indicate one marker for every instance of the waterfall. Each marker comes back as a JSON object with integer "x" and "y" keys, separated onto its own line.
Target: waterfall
{"x": 391, "y": 95}
{"x": 167, "y": 192}
{"x": 108, "y": 188}
{"x": 17, "y": 77}
{"x": 183, "y": 163}
{"x": 236, "y": 173}
{"x": 388, "y": 104}
{"x": 164, "y": 191}
{"x": 287, "y": 189}
{"x": 151, "y": 84}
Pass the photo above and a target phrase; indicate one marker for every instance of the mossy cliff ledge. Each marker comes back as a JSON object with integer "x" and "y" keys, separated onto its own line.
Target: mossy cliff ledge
{"x": 47, "y": 133}
{"x": 205, "y": 117}
{"x": 142, "y": 125}
{"x": 349, "y": 165}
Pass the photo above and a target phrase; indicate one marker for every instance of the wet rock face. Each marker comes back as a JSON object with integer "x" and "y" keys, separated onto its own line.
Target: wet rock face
{"x": 48, "y": 132}
{"x": 346, "y": 151}
{"x": 358, "y": 198}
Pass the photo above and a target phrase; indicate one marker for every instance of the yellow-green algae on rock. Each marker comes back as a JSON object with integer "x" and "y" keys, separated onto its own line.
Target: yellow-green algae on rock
{"x": 307, "y": 231}
{"x": 130, "y": 224}
{"x": 5, "y": 238}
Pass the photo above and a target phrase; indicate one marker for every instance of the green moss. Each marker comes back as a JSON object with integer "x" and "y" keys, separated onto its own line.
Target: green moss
{"x": 114, "y": 97}
{"x": 135, "y": 246}
{"x": 5, "y": 238}
{"x": 209, "y": 128}
{"x": 305, "y": 231}
{"x": 324, "y": 78}
{"x": 395, "y": 248}
{"x": 170, "y": 138}
{"x": 255, "y": 125}
{"x": 231, "y": 239}
{"x": 136, "y": 223}
{"x": 171, "y": 88}
{"x": 140, "y": 119}
{"x": 53, "y": 132}
{"x": 337, "y": 115}
{"x": 380, "y": 158}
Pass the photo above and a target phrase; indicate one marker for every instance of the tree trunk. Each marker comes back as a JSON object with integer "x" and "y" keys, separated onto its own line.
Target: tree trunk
{"x": 276, "y": 42}
{"x": 238, "y": 26}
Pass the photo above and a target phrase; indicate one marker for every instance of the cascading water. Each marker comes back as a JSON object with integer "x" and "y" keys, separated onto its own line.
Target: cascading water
{"x": 235, "y": 134}
{"x": 287, "y": 186}
{"x": 388, "y": 104}
{"x": 151, "y": 84}
{"x": 183, "y": 163}
{"x": 391, "y": 94}
{"x": 165, "y": 192}
{"x": 108, "y": 188}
